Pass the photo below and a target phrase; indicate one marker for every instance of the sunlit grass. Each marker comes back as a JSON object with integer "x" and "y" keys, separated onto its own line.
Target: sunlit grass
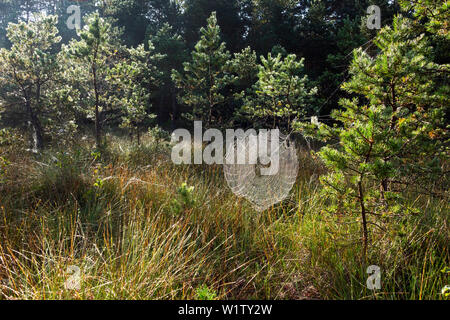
{"x": 112, "y": 214}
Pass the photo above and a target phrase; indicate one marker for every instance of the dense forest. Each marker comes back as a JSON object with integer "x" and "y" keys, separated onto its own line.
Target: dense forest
{"x": 91, "y": 92}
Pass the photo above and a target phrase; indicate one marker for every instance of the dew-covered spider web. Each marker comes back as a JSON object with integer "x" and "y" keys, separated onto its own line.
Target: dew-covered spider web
{"x": 262, "y": 184}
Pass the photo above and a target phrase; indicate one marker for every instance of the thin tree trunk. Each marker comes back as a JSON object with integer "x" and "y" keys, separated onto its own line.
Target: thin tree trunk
{"x": 394, "y": 119}
{"x": 98, "y": 141}
{"x": 174, "y": 109}
{"x": 364, "y": 218}
{"x": 161, "y": 104}
{"x": 383, "y": 190}
{"x": 363, "y": 206}
{"x": 38, "y": 137}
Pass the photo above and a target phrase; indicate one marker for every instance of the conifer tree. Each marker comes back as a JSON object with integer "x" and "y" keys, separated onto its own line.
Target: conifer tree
{"x": 245, "y": 67}
{"x": 205, "y": 77}
{"x": 281, "y": 93}
{"x": 29, "y": 71}
{"x": 172, "y": 50}
{"x": 392, "y": 138}
{"x": 434, "y": 14}
{"x": 133, "y": 80}
{"x": 89, "y": 61}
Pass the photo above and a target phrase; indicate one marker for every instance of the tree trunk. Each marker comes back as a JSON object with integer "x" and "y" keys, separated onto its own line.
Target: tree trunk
{"x": 38, "y": 136}
{"x": 98, "y": 141}
{"x": 161, "y": 104}
{"x": 210, "y": 117}
{"x": 383, "y": 190}
{"x": 174, "y": 110}
{"x": 362, "y": 204}
{"x": 364, "y": 219}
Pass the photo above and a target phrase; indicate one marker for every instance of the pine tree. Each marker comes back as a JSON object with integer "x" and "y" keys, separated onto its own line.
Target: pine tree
{"x": 173, "y": 52}
{"x": 281, "y": 93}
{"x": 434, "y": 14}
{"x": 245, "y": 67}
{"x": 29, "y": 72}
{"x": 133, "y": 80}
{"x": 206, "y": 76}
{"x": 89, "y": 61}
{"x": 347, "y": 38}
{"x": 394, "y": 137}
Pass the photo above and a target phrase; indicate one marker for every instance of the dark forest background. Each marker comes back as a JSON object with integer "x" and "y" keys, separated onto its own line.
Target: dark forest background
{"x": 323, "y": 32}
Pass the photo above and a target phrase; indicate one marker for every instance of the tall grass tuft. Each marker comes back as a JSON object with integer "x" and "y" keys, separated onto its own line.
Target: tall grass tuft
{"x": 139, "y": 227}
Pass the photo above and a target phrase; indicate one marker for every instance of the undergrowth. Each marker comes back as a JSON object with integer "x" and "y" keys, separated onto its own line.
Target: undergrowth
{"x": 139, "y": 227}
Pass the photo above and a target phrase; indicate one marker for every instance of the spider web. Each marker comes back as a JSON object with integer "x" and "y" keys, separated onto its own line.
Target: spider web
{"x": 246, "y": 180}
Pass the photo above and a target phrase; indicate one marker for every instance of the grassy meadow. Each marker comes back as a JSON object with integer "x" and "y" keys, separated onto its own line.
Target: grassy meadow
{"x": 128, "y": 219}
